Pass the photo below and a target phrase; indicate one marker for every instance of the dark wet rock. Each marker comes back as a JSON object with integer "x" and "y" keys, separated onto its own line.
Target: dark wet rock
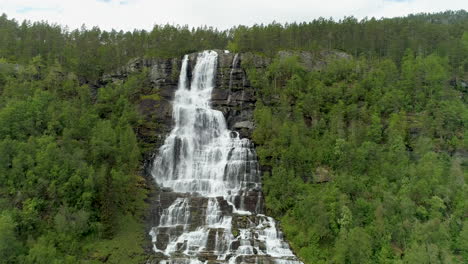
{"x": 235, "y": 97}
{"x": 162, "y": 241}
{"x": 233, "y": 93}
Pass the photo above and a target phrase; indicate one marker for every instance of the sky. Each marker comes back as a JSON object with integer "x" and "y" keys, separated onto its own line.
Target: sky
{"x": 223, "y": 14}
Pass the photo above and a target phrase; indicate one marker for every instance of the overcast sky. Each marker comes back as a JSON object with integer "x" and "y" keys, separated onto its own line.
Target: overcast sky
{"x": 143, "y": 14}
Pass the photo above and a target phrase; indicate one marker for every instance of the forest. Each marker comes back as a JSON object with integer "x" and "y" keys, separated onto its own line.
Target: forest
{"x": 366, "y": 158}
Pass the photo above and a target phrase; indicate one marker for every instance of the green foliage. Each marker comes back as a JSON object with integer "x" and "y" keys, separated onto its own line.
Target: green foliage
{"x": 69, "y": 166}
{"x": 353, "y": 247}
{"x": 462, "y": 243}
{"x": 91, "y": 52}
{"x": 128, "y": 240}
{"x": 367, "y": 155}
{"x": 10, "y": 246}
{"x": 439, "y": 33}
{"x": 364, "y": 159}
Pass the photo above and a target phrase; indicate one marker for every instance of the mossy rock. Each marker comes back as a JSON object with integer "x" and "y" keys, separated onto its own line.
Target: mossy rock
{"x": 235, "y": 232}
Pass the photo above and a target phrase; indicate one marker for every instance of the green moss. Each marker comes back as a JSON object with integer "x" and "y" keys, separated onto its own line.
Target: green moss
{"x": 235, "y": 232}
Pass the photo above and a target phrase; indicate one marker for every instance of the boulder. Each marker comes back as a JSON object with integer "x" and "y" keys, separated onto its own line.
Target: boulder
{"x": 244, "y": 124}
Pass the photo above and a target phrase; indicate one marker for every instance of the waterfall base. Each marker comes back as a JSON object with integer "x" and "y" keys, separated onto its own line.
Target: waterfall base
{"x": 211, "y": 211}
{"x": 196, "y": 229}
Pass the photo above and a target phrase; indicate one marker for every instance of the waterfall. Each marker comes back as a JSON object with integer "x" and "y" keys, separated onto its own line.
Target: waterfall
{"x": 235, "y": 61}
{"x": 215, "y": 178}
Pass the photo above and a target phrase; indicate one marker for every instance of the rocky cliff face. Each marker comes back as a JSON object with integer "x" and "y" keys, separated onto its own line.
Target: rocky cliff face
{"x": 233, "y": 95}
{"x": 162, "y": 75}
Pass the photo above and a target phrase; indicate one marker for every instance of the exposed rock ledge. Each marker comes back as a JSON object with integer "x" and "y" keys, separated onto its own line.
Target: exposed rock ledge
{"x": 233, "y": 94}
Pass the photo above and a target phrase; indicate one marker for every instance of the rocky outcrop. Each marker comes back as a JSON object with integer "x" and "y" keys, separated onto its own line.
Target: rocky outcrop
{"x": 314, "y": 61}
{"x": 155, "y": 100}
{"x": 234, "y": 96}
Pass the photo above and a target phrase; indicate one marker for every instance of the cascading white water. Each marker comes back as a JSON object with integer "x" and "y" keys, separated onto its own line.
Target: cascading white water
{"x": 214, "y": 168}
{"x": 235, "y": 61}
{"x": 201, "y": 154}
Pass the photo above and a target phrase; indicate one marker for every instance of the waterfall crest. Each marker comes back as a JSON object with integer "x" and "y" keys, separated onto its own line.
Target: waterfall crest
{"x": 217, "y": 213}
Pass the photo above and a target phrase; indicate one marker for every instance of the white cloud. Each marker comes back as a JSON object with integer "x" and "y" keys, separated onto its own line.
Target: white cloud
{"x": 143, "y": 14}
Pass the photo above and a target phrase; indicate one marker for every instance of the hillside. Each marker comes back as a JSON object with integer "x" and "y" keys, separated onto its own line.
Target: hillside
{"x": 359, "y": 128}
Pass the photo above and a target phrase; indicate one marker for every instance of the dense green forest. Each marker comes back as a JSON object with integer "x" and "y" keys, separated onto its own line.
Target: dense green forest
{"x": 68, "y": 164}
{"x": 367, "y": 157}
{"x": 91, "y": 52}
{"x": 368, "y": 160}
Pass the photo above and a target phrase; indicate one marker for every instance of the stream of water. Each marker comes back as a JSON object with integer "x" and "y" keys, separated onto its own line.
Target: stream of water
{"x": 210, "y": 165}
